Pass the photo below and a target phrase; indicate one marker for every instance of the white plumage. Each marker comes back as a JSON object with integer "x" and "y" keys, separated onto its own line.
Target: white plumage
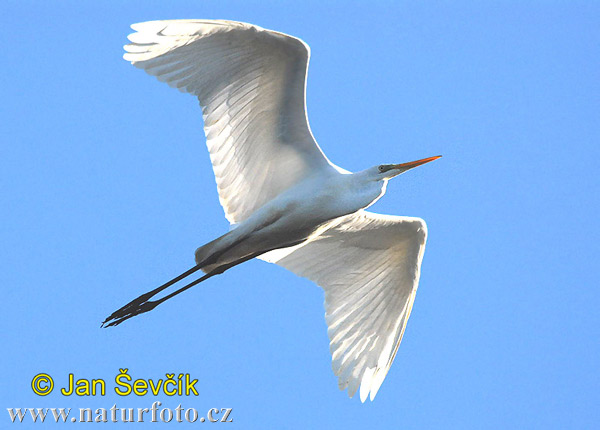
{"x": 289, "y": 204}
{"x": 251, "y": 86}
{"x": 368, "y": 264}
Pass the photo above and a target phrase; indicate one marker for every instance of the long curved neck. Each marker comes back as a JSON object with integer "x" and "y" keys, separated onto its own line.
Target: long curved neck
{"x": 367, "y": 191}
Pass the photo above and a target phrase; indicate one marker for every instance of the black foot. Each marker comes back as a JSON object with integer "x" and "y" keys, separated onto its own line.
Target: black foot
{"x": 131, "y": 309}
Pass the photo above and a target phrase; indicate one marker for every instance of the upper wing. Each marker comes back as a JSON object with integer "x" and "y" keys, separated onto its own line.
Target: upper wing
{"x": 369, "y": 265}
{"x": 251, "y": 85}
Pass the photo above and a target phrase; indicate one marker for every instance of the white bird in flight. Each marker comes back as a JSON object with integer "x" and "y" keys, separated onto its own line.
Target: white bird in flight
{"x": 286, "y": 202}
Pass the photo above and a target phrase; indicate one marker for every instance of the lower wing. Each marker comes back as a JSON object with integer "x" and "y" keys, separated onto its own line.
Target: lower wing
{"x": 369, "y": 266}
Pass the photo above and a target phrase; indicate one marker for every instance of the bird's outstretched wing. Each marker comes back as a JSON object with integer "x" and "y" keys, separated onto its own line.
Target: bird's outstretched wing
{"x": 368, "y": 264}
{"x": 251, "y": 85}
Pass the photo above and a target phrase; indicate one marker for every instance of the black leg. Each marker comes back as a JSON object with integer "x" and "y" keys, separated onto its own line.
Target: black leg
{"x": 145, "y": 297}
{"x": 142, "y": 304}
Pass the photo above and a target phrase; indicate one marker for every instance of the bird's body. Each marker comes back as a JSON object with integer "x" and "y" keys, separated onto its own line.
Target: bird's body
{"x": 295, "y": 215}
{"x": 286, "y": 202}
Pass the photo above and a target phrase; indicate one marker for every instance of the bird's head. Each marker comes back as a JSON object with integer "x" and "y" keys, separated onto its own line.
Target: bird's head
{"x": 388, "y": 171}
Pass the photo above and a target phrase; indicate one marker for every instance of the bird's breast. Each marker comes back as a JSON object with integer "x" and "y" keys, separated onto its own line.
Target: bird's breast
{"x": 342, "y": 197}
{"x": 314, "y": 202}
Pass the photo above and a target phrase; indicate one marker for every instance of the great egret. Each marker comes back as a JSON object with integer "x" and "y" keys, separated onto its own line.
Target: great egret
{"x": 287, "y": 203}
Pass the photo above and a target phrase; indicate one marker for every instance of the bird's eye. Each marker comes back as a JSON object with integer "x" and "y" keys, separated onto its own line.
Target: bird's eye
{"x": 381, "y": 168}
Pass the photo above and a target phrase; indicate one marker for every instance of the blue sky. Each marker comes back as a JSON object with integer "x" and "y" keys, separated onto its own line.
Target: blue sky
{"x": 107, "y": 190}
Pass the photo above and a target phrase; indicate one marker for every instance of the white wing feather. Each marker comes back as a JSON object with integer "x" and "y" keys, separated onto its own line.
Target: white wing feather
{"x": 251, "y": 85}
{"x": 369, "y": 265}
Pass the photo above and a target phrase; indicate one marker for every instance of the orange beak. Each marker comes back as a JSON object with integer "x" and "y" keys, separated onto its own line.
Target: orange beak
{"x": 412, "y": 164}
